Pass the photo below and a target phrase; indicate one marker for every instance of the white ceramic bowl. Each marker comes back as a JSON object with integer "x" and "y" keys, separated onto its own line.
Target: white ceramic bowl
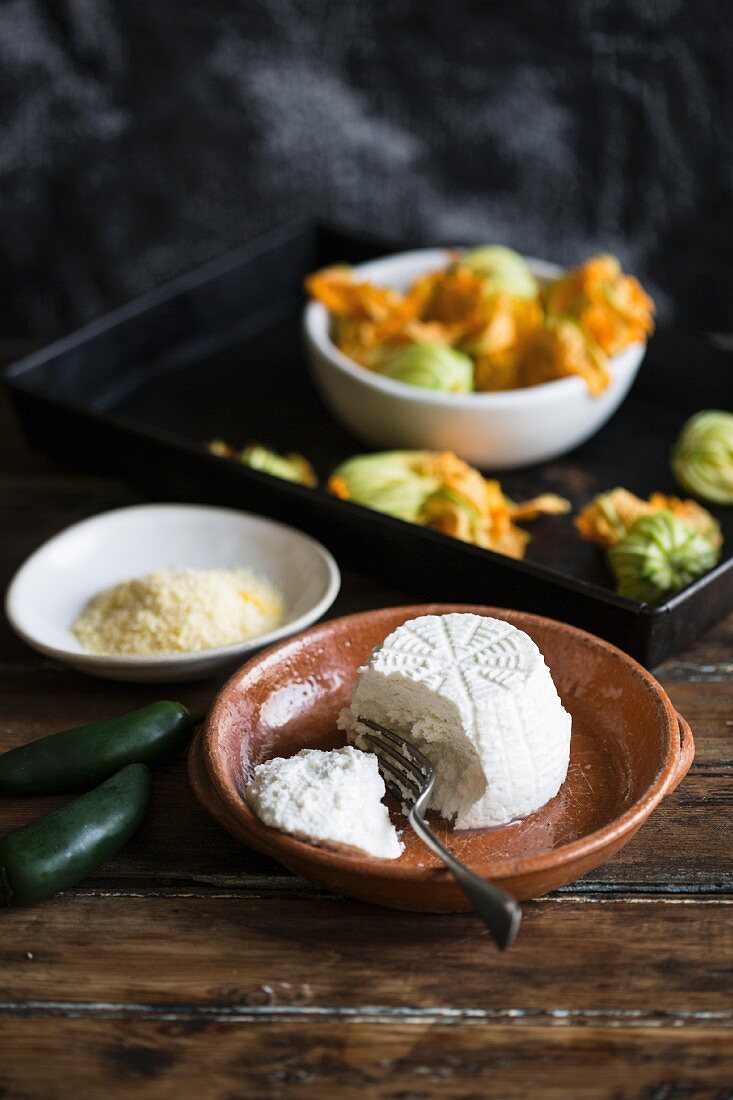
{"x": 54, "y": 584}
{"x": 498, "y": 431}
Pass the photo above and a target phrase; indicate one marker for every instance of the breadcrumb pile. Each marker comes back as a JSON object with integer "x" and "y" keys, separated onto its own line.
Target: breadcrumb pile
{"x": 179, "y": 611}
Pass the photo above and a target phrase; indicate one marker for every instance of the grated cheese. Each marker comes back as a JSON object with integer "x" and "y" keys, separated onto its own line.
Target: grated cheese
{"x": 179, "y": 611}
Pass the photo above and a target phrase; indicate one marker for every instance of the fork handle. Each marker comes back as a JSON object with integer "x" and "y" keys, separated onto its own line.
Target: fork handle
{"x": 501, "y": 912}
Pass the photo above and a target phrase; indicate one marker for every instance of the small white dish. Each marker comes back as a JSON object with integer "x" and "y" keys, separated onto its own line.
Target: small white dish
{"x": 51, "y": 588}
{"x": 498, "y": 431}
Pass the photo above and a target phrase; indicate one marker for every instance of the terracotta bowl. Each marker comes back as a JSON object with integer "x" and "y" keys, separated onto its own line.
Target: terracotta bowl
{"x": 629, "y": 749}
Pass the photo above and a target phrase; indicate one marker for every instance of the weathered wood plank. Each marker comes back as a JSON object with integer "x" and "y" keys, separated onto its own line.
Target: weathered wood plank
{"x": 39, "y": 696}
{"x": 711, "y": 665}
{"x": 180, "y": 843}
{"x": 707, "y": 660}
{"x": 708, "y": 707}
{"x": 686, "y": 841}
{"x": 649, "y": 956}
{"x": 320, "y": 1061}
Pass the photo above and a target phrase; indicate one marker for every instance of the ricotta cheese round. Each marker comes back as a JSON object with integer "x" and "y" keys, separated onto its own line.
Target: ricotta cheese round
{"x": 474, "y": 694}
{"x": 327, "y": 796}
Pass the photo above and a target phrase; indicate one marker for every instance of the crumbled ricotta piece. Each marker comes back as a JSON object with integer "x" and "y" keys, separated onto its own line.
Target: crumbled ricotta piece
{"x": 331, "y": 796}
{"x": 476, "y": 697}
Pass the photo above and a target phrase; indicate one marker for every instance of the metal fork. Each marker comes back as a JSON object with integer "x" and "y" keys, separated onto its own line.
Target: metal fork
{"x": 411, "y": 775}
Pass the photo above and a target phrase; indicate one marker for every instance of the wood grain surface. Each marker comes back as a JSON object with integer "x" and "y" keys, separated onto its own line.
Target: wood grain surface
{"x": 191, "y": 966}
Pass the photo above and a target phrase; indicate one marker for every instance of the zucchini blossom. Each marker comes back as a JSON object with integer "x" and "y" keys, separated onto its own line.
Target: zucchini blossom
{"x": 507, "y": 325}
{"x": 290, "y": 467}
{"x": 609, "y": 516}
{"x": 659, "y": 556}
{"x": 612, "y": 307}
{"x": 394, "y": 482}
{"x": 440, "y": 491}
{"x": 431, "y": 366}
{"x": 560, "y": 347}
{"x": 501, "y": 269}
{"x": 702, "y": 459}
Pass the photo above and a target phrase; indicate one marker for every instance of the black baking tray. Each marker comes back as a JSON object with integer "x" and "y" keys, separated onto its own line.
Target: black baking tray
{"x": 218, "y": 353}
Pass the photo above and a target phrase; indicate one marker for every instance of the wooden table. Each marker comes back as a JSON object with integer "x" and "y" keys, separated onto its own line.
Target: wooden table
{"x": 191, "y": 966}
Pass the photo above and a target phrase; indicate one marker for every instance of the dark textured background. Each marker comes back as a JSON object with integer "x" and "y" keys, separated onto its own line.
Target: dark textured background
{"x": 142, "y": 137}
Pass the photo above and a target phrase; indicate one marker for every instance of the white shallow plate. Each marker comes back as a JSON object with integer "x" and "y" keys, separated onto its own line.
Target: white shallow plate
{"x": 54, "y": 584}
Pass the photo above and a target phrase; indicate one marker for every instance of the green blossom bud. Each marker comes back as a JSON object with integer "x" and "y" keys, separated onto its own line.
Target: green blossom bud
{"x": 659, "y": 556}
{"x": 702, "y": 459}
{"x": 395, "y": 482}
{"x": 501, "y": 269}
{"x": 291, "y": 467}
{"x": 431, "y": 366}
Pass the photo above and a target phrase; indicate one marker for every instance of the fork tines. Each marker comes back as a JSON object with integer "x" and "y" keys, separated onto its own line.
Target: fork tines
{"x": 406, "y": 767}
